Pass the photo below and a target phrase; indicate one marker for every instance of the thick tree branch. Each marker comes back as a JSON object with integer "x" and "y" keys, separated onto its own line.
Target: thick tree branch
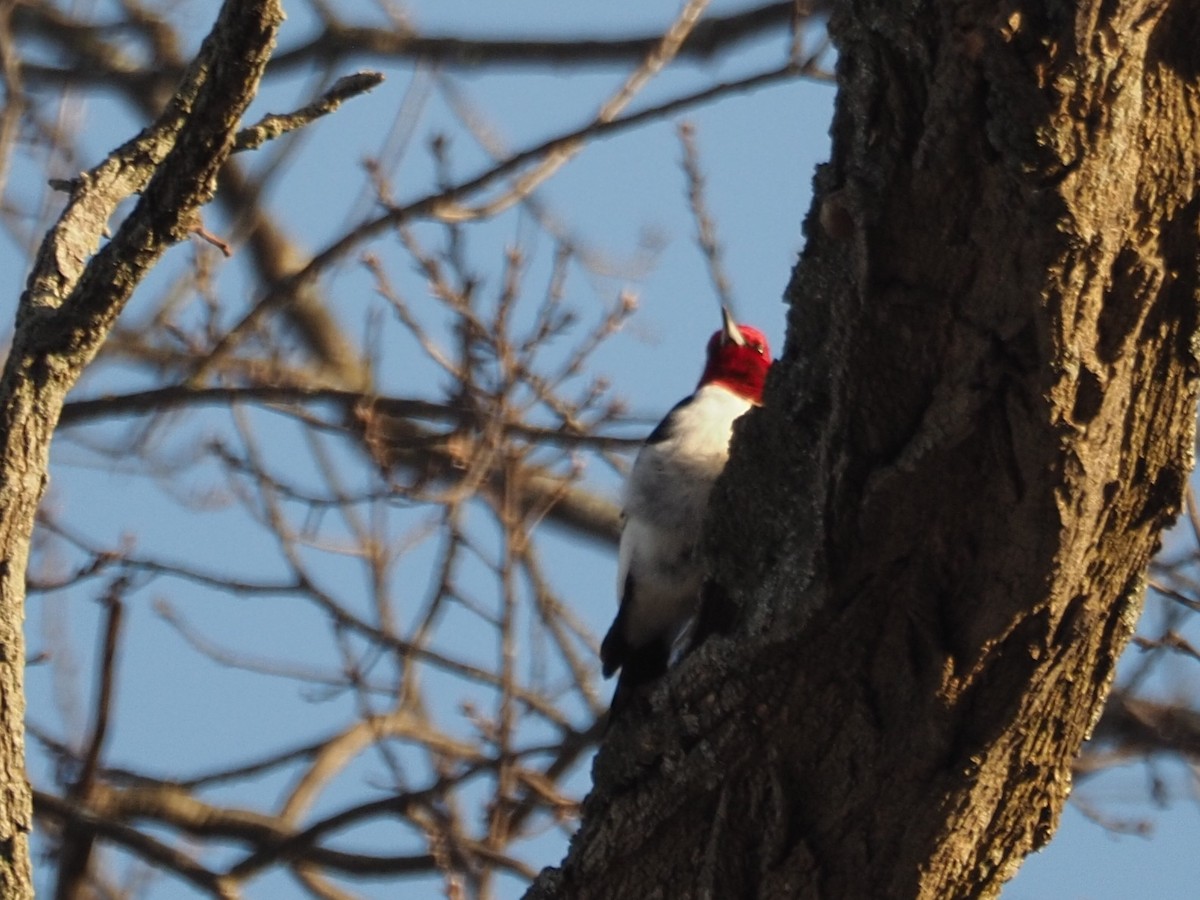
{"x": 393, "y": 439}
{"x": 102, "y": 60}
{"x": 74, "y": 293}
{"x": 1133, "y": 726}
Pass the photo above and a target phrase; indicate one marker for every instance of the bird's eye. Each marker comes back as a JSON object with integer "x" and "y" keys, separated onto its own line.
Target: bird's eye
{"x": 759, "y": 348}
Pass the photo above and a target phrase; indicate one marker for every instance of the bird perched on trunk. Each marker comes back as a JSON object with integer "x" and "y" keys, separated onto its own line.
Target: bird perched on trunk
{"x": 659, "y": 573}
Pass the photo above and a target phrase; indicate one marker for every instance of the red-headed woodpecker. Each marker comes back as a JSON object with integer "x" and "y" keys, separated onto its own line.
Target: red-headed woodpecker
{"x": 659, "y": 574}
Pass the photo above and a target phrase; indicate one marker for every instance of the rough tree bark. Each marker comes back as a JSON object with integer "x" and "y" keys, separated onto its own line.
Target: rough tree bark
{"x": 74, "y": 294}
{"x": 936, "y": 530}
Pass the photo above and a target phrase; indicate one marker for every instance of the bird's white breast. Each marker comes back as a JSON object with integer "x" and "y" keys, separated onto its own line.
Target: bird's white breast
{"x": 665, "y": 501}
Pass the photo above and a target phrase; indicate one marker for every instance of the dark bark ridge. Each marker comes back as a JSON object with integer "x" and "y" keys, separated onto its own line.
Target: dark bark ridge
{"x": 937, "y": 527}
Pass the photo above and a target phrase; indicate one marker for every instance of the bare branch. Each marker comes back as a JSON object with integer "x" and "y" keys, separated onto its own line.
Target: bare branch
{"x": 275, "y": 125}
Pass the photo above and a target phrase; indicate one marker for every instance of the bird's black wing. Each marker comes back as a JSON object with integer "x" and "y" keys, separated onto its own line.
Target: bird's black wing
{"x": 614, "y": 648}
{"x": 638, "y": 665}
{"x": 663, "y": 430}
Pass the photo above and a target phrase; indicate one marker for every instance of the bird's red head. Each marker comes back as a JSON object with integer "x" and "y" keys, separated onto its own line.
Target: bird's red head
{"x": 738, "y": 359}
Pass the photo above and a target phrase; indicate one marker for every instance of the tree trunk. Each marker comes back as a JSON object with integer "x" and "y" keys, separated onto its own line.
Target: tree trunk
{"x": 74, "y": 294}
{"x": 936, "y": 530}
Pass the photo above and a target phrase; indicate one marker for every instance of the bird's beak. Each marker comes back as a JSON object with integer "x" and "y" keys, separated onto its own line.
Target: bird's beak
{"x": 732, "y": 332}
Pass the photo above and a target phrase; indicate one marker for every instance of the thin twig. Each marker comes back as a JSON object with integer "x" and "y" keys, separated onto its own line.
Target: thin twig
{"x": 706, "y": 229}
